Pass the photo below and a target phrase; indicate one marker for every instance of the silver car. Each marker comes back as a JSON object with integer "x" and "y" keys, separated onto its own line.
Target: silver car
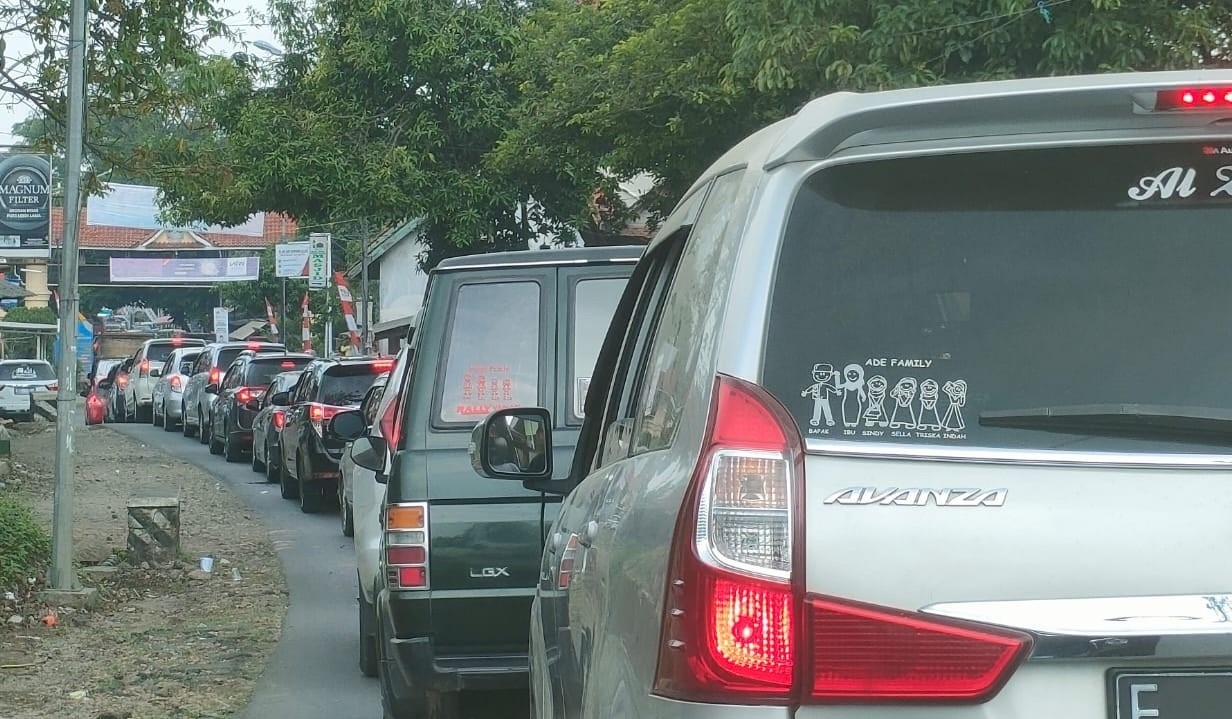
{"x": 168, "y": 392}
{"x": 915, "y": 407}
{"x": 20, "y": 382}
{"x": 147, "y": 369}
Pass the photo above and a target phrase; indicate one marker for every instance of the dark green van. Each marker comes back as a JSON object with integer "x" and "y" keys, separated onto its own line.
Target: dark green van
{"x": 460, "y": 555}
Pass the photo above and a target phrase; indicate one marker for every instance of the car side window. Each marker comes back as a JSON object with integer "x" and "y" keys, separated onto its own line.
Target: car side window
{"x": 203, "y": 363}
{"x": 671, "y": 362}
{"x": 232, "y": 380}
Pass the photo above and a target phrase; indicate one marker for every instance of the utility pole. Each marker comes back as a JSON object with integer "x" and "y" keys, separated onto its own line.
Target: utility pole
{"x": 366, "y": 312}
{"x": 63, "y": 577}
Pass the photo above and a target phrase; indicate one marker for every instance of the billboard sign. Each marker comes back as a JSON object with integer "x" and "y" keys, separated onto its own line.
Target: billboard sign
{"x": 222, "y": 324}
{"x": 291, "y": 259}
{"x": 25, "y": 206}
{"x": 179, "y": 270}
{"x": 318, "y": 260}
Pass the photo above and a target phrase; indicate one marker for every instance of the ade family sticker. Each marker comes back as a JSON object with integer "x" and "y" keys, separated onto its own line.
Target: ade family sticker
{"x": 851, "y": 403}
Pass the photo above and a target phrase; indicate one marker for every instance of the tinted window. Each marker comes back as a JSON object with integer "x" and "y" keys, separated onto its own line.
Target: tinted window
{"x": 594, "y": 302}
{"x": 227, "y": 356}
{"x": 261, "y": 372}
{"x": 186, "y": 363}
{"x": 915, "y": 295}
{"x": 344, "y": 385}
{"x": 160, "y": 351}
{"x": 18, "y": 371}
{"x": 492, "y": 356}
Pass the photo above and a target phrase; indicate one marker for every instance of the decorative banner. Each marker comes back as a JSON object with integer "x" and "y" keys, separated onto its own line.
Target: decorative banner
{"x": 348, "y": 310}
{"x": 269, "y": 317}
{"x": 306, "y": 324}
{"x": 25, "y": 206}
{"x": 291, "y": 259}
{"x": 222, "y": 324}
{"x": 319, "y": 260}
{"x": 184, "y": 270}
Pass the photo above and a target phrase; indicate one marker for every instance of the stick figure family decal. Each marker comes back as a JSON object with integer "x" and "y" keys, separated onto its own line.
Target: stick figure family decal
{"x": 870, "y": 407}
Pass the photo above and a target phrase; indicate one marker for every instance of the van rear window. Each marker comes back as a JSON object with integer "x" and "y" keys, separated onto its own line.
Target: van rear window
{"x": 492, "y": 354}
{"x": 918, "y": 300}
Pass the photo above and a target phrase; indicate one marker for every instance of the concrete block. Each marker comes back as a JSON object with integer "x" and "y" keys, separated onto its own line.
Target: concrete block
{"x": 153, "y": 530}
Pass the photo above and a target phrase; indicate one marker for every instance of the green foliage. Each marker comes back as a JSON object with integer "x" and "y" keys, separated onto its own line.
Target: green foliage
{"x": 25, "y": 547}
{"x": 188, "y": 306}
{"x": 36, "y": 315}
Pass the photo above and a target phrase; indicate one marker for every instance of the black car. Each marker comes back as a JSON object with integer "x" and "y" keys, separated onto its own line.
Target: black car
{"x": 238, "y": 397}
{"x": 309, "y": 458}
{"x": 267, "y": 426}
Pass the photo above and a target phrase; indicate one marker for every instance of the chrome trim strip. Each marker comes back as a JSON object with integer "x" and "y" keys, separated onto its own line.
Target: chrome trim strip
{"x": 996, "y": 455}
{"x": 1175, "y": 627}
{"x": 543, "y": 263}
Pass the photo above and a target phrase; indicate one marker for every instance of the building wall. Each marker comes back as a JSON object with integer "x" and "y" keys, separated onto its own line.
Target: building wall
{"x": 402, "y": 283}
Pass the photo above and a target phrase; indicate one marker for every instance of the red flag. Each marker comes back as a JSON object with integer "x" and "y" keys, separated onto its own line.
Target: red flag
{"x": 348, "y": 309}
{"x": 306, "y": 324}
{"x": 269, "y": 317}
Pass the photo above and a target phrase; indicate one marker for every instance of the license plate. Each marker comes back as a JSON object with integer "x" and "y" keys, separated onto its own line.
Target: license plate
{"x": 1181, "y": 694}
{"x": 23, "y": 390}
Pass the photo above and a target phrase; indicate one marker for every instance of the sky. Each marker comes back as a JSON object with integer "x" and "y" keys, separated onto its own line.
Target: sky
{"x": 13, "y": 109}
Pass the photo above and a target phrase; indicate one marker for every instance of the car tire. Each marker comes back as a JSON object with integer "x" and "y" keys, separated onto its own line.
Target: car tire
{"x": 273, "y": 468}
{"x": 155, "y": 420}
{"x": 185, "y": 427}
{"x": 346, "y": 513}
{"x": 142, "y": 416}
{"x": 369, "y": 660}
{"x": 215, "y": 446}
{"x": 257, "y": 465}
{"x": 168, "y": 425}
{"x": 203, "y": 434}
{"x": 310, "y": 499}
{"x": 230, "y": 452}
{"x": 420, "y": 703}
{"x": 289, "y": 488}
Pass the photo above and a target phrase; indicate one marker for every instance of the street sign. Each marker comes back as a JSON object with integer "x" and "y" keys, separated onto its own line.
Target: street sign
{"x": 291, "y": 259}
{"x": 318, "y": 260}
{"x": 222, "y": 326}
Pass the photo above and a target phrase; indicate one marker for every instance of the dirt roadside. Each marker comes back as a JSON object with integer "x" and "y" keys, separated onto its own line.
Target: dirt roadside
{"x": 171, "y": 643}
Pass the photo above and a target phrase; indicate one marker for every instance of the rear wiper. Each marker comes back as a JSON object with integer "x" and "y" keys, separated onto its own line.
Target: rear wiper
{"x": 1195, "y": 424}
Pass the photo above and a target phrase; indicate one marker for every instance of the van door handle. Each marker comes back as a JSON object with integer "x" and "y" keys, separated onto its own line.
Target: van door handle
{"x": 589, "y": 532}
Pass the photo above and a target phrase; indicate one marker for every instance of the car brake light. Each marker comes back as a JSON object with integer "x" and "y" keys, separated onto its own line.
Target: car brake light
{"x": 866, "y": 653}
{"x": 215, "y": 375}
{"x": 1194, "y": 98}
{"x": 406, "y": 545}
{"x": 319, "y": 414}
{"x": 279, "y": 418}
{"x": 382, "y": 366}
{"x": 122, "y": 380}
{"x": 254, "y": 345}
{"x": 53, "y": 386}
{"x": 244, "y": 396}
{"x": 177, "y": 341}
{"x": 730, "y": 619}
{"x": 390, "y": 425}
{"x": 286, "y": 364}
{"x": 176, "y": 382}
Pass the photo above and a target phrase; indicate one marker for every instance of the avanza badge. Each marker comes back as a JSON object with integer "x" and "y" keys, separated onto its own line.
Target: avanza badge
{"x": 920, "y": 497}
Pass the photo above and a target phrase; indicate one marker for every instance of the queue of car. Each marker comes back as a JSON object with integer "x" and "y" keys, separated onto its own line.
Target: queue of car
{"x": 872, "y": 427}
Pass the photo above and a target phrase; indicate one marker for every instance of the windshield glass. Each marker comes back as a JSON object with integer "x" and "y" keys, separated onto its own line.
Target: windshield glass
{"x": 187, "y": 361}
{"x": 913, "y": 295}
{"x": 18, "y": 371}
{"x": 160, "y": 351}
{"x": 346, "y": 385}
{"x": 261, "y": 372}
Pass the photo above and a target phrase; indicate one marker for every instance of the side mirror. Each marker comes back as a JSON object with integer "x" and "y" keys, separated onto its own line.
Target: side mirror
{"x": 106, "y": 383}
{"x": 347, "y": 426}
{"x": 84, "y": 391}
{"x": 369, "y": 453}
{"x": 253, "y": 405}
{"x": 281, "y": 399}
{"x": 156, "y": 372}
{"x": 211, "y": 389}
{"x": 513, "y": 444}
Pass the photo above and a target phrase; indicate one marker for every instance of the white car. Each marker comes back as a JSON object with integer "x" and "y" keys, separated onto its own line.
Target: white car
{"x": 168, "y": 393}
{"x": 914, "y": 408}
{"x": 147, "y": 368}
{"x": 20, "y": 381}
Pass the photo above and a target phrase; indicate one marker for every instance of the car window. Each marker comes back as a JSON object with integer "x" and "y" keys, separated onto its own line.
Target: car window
{"x": 18, "y": 371}
{"x": 260, "y": 372}
{"x": 232, "y": 379}
{"x": 203, "y": 362}
{"x": 932, "y": 297}
{"x": 492, "y": 352}
{"x": 227, "y": 355}
{"x": 187, "y": 362}
{"x": 594, "y": 301}
{"x": 371, "y": 401}
{"x": 159, "y": 351}
{"x": 345, "y": 385}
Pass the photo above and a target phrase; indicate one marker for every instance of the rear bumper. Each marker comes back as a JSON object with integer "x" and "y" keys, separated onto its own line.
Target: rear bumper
{"x": 419, "y": 665}
{"x": 321, "y": 460}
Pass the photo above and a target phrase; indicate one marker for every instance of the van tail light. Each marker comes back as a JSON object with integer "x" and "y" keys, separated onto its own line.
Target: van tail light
{"x": 279, "y": 418}
{"x": 737, "y": 624}
{"x": 729, "y": 629}
{"x": 390, "y": 425}
{"x": 215, "y": 375}
{"x": 865, "y": 653}
{"x": 176, "y": 382}
{"x": 145, "y": 367}
{"x": 406, "y": 545}
{"x": 247, "y": 394}
{"x": 319, "y": 414}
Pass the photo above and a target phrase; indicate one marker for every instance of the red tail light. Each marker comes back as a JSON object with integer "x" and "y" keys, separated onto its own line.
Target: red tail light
{"x": 244, "y": 396}
{"x": 122, "y": 380}
{"x": 382, "y": 366}
{"x": 177, "y": 341}
{"x": 215, "y": 375}
{"x": 145, "y": 366}
{"x": 254, "y": 345}
{"x": 279, "y": 418}
{"x": 319, "y": 414}
{"x": 406, "y": 545}
{"x": 53, "y": 386}
{"x": 390, "y": 424}
{"x": 1196, "y": 98}
{"x": 865, "y": 653}
{"x": 177, "y": 383}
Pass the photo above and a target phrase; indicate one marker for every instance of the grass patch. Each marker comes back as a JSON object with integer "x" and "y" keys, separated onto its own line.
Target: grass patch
{"x": 25, "y": 547}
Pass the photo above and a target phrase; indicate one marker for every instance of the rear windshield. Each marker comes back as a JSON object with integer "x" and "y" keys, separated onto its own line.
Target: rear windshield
{"x": 284, "y": 381}
{"x": 345, "y": 385}
{"x": 160, "y": 351}
{"x": 187, "y": 361}
{"x": 492, "y": 357}
{"x": 913, "y": 296}
{"x": 18, "y": 371}
{"x": 261, "y": 371}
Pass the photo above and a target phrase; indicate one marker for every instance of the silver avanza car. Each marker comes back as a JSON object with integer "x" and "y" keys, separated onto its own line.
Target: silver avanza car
{"x": 916, "y": 406}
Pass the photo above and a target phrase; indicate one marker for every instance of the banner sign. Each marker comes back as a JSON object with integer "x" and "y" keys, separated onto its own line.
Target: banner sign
{"x": 222, "y": 324}
{"x": 25, "y": 206}
{"x": 319, "y": 260}
{"x": 291, "y": 259}
{"x": 184, "y": 270}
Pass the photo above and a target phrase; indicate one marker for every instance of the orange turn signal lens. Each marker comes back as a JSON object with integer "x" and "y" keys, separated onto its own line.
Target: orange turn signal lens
{"x": 405, "y": 517}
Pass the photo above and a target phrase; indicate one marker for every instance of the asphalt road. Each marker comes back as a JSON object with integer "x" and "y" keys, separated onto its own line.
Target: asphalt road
{"x": 314, "y": 672}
